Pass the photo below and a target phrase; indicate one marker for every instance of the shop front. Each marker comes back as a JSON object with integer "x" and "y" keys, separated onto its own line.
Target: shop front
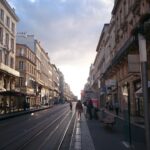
{"x": 139, "y": 98}
{"x": 11, "y": 101}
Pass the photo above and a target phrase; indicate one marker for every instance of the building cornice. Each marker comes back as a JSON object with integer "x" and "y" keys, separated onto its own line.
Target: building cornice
{"x": 10, "y": 10}
{"x": 117, "y": 2}
{"x": 101, "y": 36}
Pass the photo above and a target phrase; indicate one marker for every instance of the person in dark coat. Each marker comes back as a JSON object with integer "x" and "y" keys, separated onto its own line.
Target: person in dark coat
{"x": 70, "y": 104}
{"x": 79, "y": 109}
{"x": 89, "y": 108}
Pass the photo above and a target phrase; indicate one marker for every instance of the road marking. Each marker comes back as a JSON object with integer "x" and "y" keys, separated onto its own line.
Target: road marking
{"x": 126, "y": 144}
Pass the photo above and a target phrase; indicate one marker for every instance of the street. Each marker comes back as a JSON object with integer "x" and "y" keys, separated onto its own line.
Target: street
{"x": 39, "y": 130}
{"x": 53, "y": 128}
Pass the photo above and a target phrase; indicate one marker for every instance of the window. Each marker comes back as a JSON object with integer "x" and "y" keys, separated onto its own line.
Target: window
{"x": 1, "y": 35}
{"x": 6, "y": 59}
{"x": 20, "y": 81}
{"x": 13, "y": 27}
{"x": 7, "y": 21}
{"x": 21, "y": 65}
{"x": 7, "y": 40}
{"x": 12, "y": 62}
{"x": 2, "y": 14}
{"x": 125, "y": 8}
{"x": 21, "y": 51}
{"x": 12, "y": 44}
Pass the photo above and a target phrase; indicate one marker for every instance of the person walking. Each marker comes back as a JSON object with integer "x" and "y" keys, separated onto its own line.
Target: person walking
{"x": 117, "y": 108}
{"x": 70, "y": 104}
{"x": 89, "y": 108}
{"x": 79, "y": 109}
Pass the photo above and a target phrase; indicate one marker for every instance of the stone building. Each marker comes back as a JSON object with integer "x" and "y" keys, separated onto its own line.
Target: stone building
{"x": 55, "y": 80}
{"x": 118, "y": 62}
{"x": 50, "y": 82}
{"x": 43, "y": 82}
{"x": 61, "y": 86}
{"x": 8, "y": 74}
{"x": 26, "y": 65}
{"x": 45, "y": 77}
{"x": 68, "y": 95}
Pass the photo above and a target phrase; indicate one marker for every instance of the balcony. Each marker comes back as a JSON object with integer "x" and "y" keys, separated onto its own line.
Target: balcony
{"x": 9, "y": 70}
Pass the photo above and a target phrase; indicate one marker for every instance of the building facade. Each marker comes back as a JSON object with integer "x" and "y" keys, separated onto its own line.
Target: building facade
{"x": 61, "y": 86}
{"x": 8, "y": 74}
{"x": 26, "y": 65}
{"x": 55, "y": 79}
{"x": 118, "y": 56}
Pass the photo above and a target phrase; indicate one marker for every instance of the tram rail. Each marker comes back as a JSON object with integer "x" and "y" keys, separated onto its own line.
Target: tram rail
{"x": 28, "y": 136}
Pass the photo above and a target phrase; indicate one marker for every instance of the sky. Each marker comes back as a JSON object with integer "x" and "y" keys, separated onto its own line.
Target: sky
{"x": 68, "y": 30}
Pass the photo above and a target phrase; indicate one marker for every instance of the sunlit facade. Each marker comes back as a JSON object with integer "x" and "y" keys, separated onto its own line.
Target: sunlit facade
{"x": 8, "y": 74}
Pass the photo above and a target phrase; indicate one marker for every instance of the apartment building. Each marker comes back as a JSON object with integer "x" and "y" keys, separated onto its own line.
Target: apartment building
{"x": 68, "y": 95}
{"x": 55, "y": 79}
{"x": 45, "y": 77}
{"x": 117, "y": 62}
{"x": 50, "y": 82}
{"x": 38, "y": 50}
{"x": 43, "y": 81}
{"x": 61, "y": 86}
{"x": 26, "y": 65}
{"x": 8, "y": 22}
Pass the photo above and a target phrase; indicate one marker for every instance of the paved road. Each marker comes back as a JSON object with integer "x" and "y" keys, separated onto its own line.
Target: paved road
{"x": 39, "y": 130}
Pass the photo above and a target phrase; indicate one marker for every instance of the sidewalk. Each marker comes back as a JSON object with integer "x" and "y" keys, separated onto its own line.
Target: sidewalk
{"x": 137, "y": 121}
{"x": 92, "y": 135}
{"x": 14, "y": 114}
{"x": 81, "y": 139}
{"x": 121, "y": 127}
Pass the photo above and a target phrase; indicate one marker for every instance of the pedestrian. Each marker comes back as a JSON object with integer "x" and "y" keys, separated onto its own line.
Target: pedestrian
{"x": 70, "y": 104}
{"x": 89, "y": 108}
{"x": 117, "y": 107}
{"x": 79, "y": 109}
{"x": 85, "y": 108}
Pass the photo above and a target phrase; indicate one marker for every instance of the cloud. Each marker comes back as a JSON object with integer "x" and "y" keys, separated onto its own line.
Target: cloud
{"x": 68, "y": 29}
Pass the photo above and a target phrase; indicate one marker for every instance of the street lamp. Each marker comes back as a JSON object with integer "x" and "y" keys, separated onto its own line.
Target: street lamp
{"x": 144, "y": 76}
{"x": 127, "y": 125}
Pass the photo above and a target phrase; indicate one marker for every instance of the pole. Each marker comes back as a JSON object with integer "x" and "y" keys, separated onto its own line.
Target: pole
{"x": 146, "y": 104}
{"x": 144, "y": 76}
{"x": 129, "y": 112}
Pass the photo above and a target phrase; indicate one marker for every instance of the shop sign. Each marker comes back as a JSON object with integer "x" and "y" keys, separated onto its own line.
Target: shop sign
{"x": 102, "y": 90}
{"x": 133, "y": 64}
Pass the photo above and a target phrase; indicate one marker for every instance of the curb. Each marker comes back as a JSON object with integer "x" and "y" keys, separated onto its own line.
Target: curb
{"x": 16, "y": 114}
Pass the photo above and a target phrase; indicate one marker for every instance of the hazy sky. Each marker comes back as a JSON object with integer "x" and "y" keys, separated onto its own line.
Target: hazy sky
{"x": 68, "y": 30}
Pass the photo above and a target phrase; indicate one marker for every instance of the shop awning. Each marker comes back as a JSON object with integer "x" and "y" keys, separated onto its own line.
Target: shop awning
{"x": 139, "y": 92}
{"x": 11, "y": 93}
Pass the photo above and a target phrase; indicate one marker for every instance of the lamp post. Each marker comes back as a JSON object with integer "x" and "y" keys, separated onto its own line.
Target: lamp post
{"x": 127, "y": 125}
{"x": 144, "y": 77}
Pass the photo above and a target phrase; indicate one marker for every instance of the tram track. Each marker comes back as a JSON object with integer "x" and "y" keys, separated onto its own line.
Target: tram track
{"x": 59, "y": 119}
{"x": 55, "y": 138}
{"x": 20, "y": 141}
{"x": 62, "y": 145}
